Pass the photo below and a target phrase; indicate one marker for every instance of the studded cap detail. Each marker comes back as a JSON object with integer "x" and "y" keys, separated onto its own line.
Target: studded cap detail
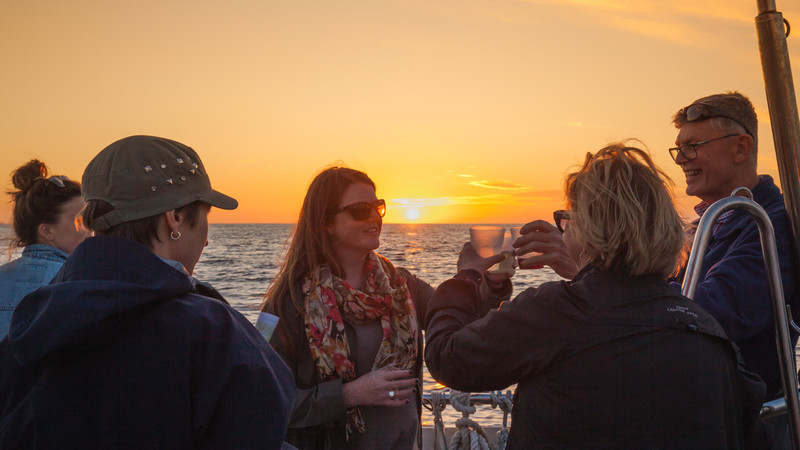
{"x": 133, "y": 195}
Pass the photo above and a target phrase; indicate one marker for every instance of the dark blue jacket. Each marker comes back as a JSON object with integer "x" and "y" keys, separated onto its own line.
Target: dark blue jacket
{"x": 122, "y": 352}
{"x": 733, "y": 283}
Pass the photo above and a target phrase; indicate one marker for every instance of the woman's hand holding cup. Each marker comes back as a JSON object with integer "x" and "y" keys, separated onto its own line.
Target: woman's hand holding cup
{"x": 544, "y": 238}
{"x": 468, "y": 258}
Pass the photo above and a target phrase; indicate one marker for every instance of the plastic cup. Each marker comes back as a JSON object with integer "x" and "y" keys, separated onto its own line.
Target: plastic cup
{"x": 505, "y": 266}
{"x": 487, "y": 240}
{"x": 515, "y": 233}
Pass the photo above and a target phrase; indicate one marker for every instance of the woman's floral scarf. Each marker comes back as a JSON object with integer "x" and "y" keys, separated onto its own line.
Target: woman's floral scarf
{"x": 329, "y": 301}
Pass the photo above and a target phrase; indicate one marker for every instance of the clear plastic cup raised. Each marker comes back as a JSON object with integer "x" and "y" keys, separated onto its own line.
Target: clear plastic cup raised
{"x": 487, "y": 240}
{"x": 515, "y": 233}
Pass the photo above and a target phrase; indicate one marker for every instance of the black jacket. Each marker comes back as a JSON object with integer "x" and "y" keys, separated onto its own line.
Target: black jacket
{"x": 603, "y": 361}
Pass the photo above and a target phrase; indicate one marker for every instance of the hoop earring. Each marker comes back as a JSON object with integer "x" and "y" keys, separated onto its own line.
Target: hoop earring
{"x": 172, "y": 235}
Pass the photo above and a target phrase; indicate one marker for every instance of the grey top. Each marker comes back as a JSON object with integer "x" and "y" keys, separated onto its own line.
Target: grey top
{"x": 386, "y": 428}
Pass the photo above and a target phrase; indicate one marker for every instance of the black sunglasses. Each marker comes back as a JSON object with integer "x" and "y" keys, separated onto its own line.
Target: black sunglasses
{"x": 562, "y": 217}
{"x": 701, "y": 111}
{"x": 361, "y": 211}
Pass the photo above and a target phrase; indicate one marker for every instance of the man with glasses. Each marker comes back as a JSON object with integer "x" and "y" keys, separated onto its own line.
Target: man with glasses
{"x": 717, "y": 149}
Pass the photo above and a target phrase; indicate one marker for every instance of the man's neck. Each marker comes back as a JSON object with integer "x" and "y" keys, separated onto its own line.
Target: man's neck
{"x": 749, "y": 180}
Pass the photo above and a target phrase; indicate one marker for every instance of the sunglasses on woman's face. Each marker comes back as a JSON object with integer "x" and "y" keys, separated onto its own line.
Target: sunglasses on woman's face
{"x": 562, "y": 217}
{"x": 362, "y": 211}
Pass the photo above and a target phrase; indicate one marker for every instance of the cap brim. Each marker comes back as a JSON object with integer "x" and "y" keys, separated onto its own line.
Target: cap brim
{"x": 220, "y": 200}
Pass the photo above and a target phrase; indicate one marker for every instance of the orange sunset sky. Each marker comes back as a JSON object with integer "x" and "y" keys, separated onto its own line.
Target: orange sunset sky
{"x": 462, "y": 111}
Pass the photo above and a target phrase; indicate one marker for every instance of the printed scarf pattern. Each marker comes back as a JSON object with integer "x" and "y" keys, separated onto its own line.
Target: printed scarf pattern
{"x": 330, "y": 301}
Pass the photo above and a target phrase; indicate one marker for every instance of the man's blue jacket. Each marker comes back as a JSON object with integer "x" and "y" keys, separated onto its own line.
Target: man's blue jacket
{"x": 734, "y": 288}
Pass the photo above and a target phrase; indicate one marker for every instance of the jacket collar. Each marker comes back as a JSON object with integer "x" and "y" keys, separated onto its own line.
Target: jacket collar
{"x": 602, "y": 286}
{"x": 766, "y": 194}
{"x": 44, "y": 251}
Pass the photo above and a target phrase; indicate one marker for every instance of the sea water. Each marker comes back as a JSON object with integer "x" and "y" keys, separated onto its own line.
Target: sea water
{"x": 241, "y": 260}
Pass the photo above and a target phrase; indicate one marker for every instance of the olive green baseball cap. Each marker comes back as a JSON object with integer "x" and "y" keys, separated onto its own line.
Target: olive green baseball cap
{"x": 143, "y": 176}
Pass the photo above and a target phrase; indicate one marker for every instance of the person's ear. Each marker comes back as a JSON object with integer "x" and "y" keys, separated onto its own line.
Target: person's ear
{"x": 46, "y": 232}
{"x": 744, "y": 148}
{"x": 173, "y": 219}
{"x": 329, "y": 227}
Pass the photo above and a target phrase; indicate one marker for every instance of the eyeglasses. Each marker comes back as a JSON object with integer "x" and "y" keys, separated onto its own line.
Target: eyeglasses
{"x": 58, "y": 180}
{"x": 689, "y": 151}
{"x": 702, "y": 111}
{"x": 562, "y": 217}
{"x": 361, "y": 211}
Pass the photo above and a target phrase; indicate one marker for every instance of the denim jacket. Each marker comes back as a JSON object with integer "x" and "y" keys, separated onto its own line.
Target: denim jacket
{"x": 37, "y": 266}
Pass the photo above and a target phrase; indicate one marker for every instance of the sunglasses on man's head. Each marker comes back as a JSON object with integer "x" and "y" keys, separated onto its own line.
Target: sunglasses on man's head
{"x": 362, "y": 211}
{"x": 701, "y": 111}
{"x": 562, "y": 217}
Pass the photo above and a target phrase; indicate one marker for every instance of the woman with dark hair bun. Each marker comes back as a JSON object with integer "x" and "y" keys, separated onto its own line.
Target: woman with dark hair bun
{"x": 46, "y": 225}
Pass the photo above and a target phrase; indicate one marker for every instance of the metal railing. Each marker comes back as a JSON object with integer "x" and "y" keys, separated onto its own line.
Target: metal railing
{"x": 791, "y": 404}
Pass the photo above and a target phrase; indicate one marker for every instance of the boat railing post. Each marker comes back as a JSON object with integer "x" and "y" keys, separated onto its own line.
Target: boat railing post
{"x": 769, "y": 249}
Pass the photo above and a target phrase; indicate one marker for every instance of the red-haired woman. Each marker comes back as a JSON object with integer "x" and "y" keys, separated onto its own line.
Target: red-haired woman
{"x": 350, "y": 322}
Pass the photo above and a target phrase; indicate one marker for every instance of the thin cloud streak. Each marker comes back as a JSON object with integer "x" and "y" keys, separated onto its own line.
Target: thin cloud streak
{"x": 487, "y": 199}
{"x": 659, "y": 19}
{"x": 718, "y": 9}
{"x": 499, "y": 184}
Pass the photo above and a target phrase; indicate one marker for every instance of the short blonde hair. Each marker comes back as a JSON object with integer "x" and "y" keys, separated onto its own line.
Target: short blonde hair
{"x": 623, "y": 213}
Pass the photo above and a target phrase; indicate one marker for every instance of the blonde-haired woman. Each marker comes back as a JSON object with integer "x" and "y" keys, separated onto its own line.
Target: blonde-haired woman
{"x": 614, "y": 358}
{"x": 350, "y": 322}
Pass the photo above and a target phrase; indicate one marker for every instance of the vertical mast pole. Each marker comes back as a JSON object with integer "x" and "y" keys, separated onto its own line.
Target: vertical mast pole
{"x": 782, "y": 104}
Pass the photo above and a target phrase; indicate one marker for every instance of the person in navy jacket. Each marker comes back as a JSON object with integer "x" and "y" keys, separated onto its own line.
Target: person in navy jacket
{"x": 125, "y": 349}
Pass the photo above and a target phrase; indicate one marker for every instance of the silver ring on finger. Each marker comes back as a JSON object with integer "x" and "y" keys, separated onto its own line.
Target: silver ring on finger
{"x": 391, "y": 395}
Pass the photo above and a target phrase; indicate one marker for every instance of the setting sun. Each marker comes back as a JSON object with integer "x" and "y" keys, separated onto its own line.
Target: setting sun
{"x": 461, "y": 111}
